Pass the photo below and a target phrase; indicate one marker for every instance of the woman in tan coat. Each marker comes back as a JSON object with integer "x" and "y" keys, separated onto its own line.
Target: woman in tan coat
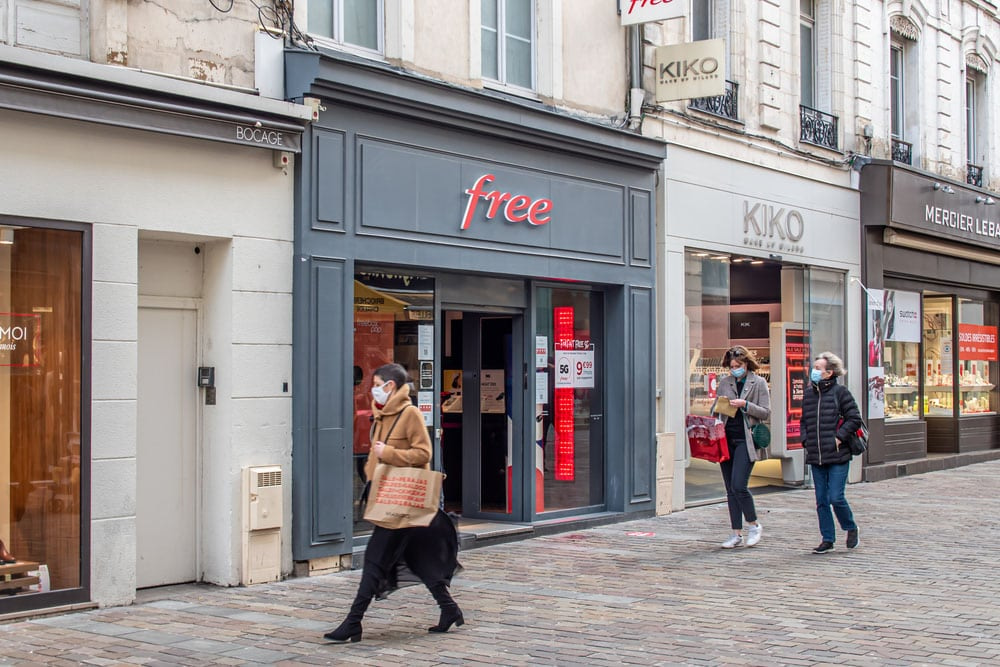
{"x": 399, "y": 438}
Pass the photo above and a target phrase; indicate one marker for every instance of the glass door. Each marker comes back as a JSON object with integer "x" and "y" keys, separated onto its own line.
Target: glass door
{"x": 491, "y": 406}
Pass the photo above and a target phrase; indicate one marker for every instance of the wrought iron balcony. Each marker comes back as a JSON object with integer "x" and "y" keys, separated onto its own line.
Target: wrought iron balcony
{"x": 974, "y": 175}
{"x": 725, "y": 105}
{"x": 902, "y": 151}
{"x": 816, "y": 127}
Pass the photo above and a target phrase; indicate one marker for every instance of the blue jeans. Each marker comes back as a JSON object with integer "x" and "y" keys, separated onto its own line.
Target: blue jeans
{"x": 830, "y": 482}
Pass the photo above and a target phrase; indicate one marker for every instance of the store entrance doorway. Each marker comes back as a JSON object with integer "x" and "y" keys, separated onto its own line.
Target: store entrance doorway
{"x": 481, "y": 414}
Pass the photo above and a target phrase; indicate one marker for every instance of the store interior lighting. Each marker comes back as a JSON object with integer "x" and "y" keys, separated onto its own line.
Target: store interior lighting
{"x": 6, "y": 236}
{"x": 917, "y": 242}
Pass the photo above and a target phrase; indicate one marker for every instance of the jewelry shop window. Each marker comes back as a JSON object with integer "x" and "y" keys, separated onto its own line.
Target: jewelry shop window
{"x": 393, "y": 323}
{"x": 894, "y": 353}
{"x": 40, "y": 409}
{"x": 977, "y": 357}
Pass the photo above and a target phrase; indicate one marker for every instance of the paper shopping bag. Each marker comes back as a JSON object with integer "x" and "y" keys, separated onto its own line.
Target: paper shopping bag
{"x": 403, "y": 497}
{"x": 707, "y": 439}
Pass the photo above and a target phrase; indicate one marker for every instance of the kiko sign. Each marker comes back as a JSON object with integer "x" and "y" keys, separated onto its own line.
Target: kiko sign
{"x": 686, "y": 71}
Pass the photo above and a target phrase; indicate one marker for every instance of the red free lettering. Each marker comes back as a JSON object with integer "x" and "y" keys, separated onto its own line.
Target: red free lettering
{"x": 643, "y": 3}
{"x": 516, "y": 208}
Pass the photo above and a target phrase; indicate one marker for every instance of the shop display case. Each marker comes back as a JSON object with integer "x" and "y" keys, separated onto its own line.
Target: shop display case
{"x": 705, "y": 371}
{"x": 902, "y": 385}
{"x": 975, "y": 389}
{"x": 939, "y": 385}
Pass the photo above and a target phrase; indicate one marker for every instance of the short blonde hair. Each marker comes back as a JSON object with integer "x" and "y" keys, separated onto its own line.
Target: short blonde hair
{"x": 834, "y": 363}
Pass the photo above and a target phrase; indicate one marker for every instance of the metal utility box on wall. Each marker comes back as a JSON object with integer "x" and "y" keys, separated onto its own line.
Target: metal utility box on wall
{"x": 263, "y": 509}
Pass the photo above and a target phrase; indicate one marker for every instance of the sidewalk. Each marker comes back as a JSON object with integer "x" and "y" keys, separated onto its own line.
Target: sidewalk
{"x": 922, "y": 589}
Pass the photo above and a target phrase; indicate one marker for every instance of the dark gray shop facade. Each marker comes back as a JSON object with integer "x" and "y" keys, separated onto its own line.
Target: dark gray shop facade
{"x": 933, "y": 243}
{"x": 484, "y": 242}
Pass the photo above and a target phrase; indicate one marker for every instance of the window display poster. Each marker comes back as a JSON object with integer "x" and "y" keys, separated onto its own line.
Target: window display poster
{"x": 876, "y": 341}
{"x": 901, "y": 316}
{"x": 876, "y": 393}
{"x": 977, "y": 343}
{"x": 541, "y": 351}
{"x": 425, "y": 401}
{"x": 574, "y": 369}
{"x": 491, "y": 392}
{"x": 541, "y": 387}
{"x": 425, "y": 341}
{"x": 797, "y": 370}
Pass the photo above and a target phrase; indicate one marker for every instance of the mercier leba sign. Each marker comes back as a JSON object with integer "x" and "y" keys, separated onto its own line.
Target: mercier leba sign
{"x": 956, "y": 216}
{"x": 687, "y": 71}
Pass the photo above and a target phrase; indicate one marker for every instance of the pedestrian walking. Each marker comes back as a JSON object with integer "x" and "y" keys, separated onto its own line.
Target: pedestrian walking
{"x": 829, "y": 416}
{"x": 399, "y": 438}
{"x": 747, "y": 392}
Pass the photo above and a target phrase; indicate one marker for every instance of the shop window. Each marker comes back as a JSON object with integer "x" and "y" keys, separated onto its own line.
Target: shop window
{"x": 977, "y": 357}
{"x": 508, "y": 42}
{"x": 938, "y": 367}
{"x": 893, "y": 354}
{"x": 352, "y": 22}
{"x": 393, "y": 323}
{"x": 40, "y": 409}
{"x": 569, "y": 402}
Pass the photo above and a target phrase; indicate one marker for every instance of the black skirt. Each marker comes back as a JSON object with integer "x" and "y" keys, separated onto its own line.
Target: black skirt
{"x": 418, "y": 555}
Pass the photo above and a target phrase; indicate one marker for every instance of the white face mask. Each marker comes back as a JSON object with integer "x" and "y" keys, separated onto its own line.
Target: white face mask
{"x": 381, "y": 394}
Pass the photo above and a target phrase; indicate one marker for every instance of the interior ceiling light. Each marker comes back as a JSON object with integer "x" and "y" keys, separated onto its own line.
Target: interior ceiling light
{"x": 757, "y": 261}
{"x": 940, "y": 247}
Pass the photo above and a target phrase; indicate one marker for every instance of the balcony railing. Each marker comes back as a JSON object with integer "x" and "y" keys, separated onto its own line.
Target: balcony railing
{"x": 974, "y": 175}
{"x": 725, "y": 105}
{"x": 816, "y": 127}
{"x": 902, "y": 151}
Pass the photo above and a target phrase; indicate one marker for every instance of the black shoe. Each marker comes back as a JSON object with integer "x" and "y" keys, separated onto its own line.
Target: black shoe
{"x": 348, "y": 631}
{"x": 448, "y": 618}
{"x": 823, "y": 548}
{"x": 853, "y": 540}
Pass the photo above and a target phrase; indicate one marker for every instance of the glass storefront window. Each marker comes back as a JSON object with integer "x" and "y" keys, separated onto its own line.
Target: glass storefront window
{"x": 569, "y": 435}
{"x": 939, "y": 372}
{"x": 977, "y": 356}
{"x": 902, "y": 382}
{"x": 40, "y": 409}
{"x": 893, "y": 352}
{"x": 393, "y": 323}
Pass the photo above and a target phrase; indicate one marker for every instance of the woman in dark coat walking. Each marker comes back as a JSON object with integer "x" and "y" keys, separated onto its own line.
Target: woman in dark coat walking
{"x": 829, "y": 415}
{"x": 399, "y": 438}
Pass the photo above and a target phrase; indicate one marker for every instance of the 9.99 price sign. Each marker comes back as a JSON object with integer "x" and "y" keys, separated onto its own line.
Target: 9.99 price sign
{"x": 574, "y": 369}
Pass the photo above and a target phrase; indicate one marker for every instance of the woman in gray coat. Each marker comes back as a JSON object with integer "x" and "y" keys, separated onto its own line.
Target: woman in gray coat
{"x": 747, "y": 392}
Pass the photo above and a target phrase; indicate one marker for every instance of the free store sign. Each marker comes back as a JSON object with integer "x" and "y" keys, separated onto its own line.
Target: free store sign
{"x": 514, "y": 207}
{"x": 643, "y": 11}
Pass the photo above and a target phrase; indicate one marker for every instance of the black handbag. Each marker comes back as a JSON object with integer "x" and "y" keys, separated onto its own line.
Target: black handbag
{"x": 858, "y": 441}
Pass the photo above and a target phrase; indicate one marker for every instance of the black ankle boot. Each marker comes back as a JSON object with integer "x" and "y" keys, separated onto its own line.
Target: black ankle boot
{"x": 450, "y": 613}
{"x": 348, "y": 631}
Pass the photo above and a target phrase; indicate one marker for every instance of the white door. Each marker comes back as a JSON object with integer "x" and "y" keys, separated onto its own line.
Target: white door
{"x": 167, "y": 449}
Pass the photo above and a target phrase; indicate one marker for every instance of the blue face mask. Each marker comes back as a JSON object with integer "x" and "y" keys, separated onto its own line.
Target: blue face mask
{"x": 739, "y": 372}
{"x": 816, "y": 376}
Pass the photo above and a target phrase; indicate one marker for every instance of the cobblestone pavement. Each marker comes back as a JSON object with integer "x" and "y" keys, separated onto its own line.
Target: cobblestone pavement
{"x": 922, "y": 589}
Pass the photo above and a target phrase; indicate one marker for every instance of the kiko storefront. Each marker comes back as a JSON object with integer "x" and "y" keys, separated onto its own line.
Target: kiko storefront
{"x": 504, "y": 255}
{"x": 931, "y": 262}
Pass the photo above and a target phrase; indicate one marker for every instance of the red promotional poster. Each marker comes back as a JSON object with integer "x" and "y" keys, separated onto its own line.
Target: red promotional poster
{"x": 797, "y": 369}
{"x": 977, "y": 343}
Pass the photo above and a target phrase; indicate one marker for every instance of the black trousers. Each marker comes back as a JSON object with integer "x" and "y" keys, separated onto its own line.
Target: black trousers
{"x": 736, "y": 474}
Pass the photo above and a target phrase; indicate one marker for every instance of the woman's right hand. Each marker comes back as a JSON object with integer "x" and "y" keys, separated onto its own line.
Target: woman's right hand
{"x": 378, "y": 447}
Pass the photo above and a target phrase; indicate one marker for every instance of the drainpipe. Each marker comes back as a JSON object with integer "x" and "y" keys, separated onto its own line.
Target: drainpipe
{"x": 635, "y": 93}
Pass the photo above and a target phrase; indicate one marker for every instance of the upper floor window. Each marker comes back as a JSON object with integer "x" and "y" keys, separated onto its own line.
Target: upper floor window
{"x": 701, "y": 19}
{"x": 970, "y": 119}
{"x": 56, "y": 26}
{"x": 807, "y": 52}
{"x": 508, "y": 41}
{"x": 354, "y": 22}
{"x": 896, "y": 90}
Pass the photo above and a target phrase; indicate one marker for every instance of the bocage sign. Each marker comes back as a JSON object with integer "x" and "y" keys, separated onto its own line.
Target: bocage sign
{"x": 688, "y": 71}
{"x": 644, "y": 11}
{"x": 515, "y": 208}
{"x": 20, "y": 338}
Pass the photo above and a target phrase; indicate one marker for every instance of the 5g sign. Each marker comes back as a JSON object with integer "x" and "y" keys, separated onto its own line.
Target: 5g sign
{"x": 574, "y": 369}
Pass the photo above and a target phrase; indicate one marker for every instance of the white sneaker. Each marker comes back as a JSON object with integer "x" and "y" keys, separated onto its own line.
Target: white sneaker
{"x": 754, "y": 534}
{"x": 733, "y": 541}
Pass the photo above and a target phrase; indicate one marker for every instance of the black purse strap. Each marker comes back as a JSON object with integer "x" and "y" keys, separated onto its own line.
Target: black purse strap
{"x": 392, "y": 426}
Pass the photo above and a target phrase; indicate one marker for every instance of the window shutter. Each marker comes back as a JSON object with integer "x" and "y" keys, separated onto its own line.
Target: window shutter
{"x": 57, "y": 26}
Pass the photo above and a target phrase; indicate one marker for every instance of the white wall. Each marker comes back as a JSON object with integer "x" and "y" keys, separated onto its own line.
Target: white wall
{"x": 131, "y": 185}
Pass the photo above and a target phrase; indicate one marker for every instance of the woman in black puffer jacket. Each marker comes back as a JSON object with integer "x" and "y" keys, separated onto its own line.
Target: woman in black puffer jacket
{"x": 829, "y": 415}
